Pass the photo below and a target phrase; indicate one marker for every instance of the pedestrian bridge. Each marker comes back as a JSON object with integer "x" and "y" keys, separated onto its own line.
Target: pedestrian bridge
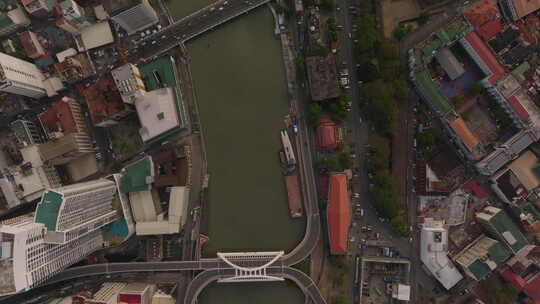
{"x": 250, "y": 266}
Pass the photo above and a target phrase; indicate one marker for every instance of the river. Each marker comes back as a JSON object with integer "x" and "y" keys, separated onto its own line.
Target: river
{"x": 240, "y": 82}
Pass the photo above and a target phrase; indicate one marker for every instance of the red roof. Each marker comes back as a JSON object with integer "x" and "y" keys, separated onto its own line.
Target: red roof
{"x": 532, "y": 289}
{"x": 489, "y": 29}
{"x": 103, "y": 99}
{"x": 514, "y": 279}
{"x": 130, "y": 298}
{"x": 326, "y": 135}
{"x": 338, "y": 214}
{"x": 60, "y": 117}
{"x": 518, "y": 108}
{"x": 487, "y": 57}
{"x": 28, "y": 44}
{"x": 481, "y": 12}
{"x": 473, "y": 186}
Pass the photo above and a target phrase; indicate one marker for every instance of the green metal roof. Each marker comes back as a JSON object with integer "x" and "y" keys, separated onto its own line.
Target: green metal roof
{"x": 431, "y": 89}
{"x": 164, "y": 67}
{"x": 47, "y": 210}
{"x": 479, "y": 269}
{"x": 503, "y": 223}
{"x": 498, "y": 253}
{"x": 138, "y": 176}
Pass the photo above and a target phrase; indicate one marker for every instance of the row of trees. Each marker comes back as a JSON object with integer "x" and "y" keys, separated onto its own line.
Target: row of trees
{"x": 336, "y": 108}
{"x": 336, "y": 162}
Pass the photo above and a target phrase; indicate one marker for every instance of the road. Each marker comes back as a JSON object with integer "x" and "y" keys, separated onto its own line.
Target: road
{"x": 189, "y": 27}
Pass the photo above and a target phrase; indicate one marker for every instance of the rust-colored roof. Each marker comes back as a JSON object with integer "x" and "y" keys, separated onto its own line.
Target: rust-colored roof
{"x": 338, "y": 213}
{"x": 293, "y": 194}
{"x": 525, "y": 7}
{"x": 103, "y": 99}
{"x": 462, "y": 130}
{"x": 487, "y": 56}
{"x": 62, "y": 117}
{"x": 326, "y": 134}
{"x": 518, "y": 108}
{"x": 490, "y": 29}
{"x": 482, "y": 12}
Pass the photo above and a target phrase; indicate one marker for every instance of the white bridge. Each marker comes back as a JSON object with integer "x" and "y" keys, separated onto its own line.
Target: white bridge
{"x": 250, "y": 266}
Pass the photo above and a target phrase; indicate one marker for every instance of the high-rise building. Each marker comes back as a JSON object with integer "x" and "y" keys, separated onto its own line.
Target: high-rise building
{"x": 20, "y": 77}
{"x": 73, "y": 211}
{"x": 26, "y": 260}
{"x": 132, "y": 15}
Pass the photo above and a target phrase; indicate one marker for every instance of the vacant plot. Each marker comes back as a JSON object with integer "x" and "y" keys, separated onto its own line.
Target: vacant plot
{"x": 125, "y": 137}
{"x": 395, "y": 11}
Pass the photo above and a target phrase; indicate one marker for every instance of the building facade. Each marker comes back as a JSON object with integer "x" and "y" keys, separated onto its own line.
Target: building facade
{"x": 73, "y": 211}
{"x": 27, "y": 260}
{"x": 20, "y": 77}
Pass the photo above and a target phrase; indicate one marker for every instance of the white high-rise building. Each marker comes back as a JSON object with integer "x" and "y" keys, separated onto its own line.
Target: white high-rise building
{"x": 72, "y": 211}
{"x": 21, "y": 77}
{"x": 26, "y": 260}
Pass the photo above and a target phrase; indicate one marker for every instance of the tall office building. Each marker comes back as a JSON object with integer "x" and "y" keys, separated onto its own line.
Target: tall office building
{"x": 26, "y": 260}
{"x": 132, "y": 15}
{"x": 20, "y": 77}
{"x": 73, "y": 211}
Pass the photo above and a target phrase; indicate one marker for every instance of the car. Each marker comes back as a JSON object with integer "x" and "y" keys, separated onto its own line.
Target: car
{"x": 410, "y": 240}
{"x": 350, "y": 36}
{"x": 356, "y": 195}
{"x": 361, "y": 212}
{"x": 377, "y": 235}
{"x": 295, "y": 129}
{"x": 353, "y": 239}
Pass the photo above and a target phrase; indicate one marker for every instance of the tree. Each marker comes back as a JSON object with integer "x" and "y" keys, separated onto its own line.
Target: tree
{"x": 308, "y": 3}
{"x": 314, "y": 113}
{"x": 367, "y": 41}
{"x": 301, "y": 63}
{"x": 428, "y": 139}
{"x": 339, "y": 299}
{"x": 328, "y": 4}
{"x": 402, "y": 30}
{"x": 345, "y": 160}
{"x": 400, "y": 226}
{"x": 381, "y": 107}
{"x": 475, "y": 89}
{"x": 499, "y": 293}
{"x": 423, "y": 18}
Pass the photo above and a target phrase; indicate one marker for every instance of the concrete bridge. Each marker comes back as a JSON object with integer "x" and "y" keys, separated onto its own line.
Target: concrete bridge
{"x": 192, "y": 26}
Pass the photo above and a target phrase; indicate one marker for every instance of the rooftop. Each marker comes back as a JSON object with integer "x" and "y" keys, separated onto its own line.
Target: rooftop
{"x": 525, "y": 7}
{"x": 482, "y": 256}
{"x": 326, "y": 134}
{"x": 431, "y": 89}
{"x": 138, "y": 176}
{"x": 487, "y": 57}
{"x": 158, "y": 113}
{"x": 96, "y": 35}
{"x": 525, "y": 169}
{"x": 506, "y": 230}
{"x": 103, "y": 100}
{"x": 47, "y": 210}
{"x": 159, "y": 73}
{"x": 339, "y": 216}
{"x": 322, "y": 76}
{"x": 433, "y": 253}
{"x": 60, "y": 117}
{"x": 462, "y": 130}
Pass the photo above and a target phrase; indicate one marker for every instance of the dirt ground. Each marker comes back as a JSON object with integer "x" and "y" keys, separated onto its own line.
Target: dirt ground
{"x": 395, "y": 11}
{"x": 332, "y": 283}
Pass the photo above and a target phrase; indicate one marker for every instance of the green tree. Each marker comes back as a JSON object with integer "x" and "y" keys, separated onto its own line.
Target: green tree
{"x": 332, "y": 24}
{"x": 308, "y": 3}
{"x": 328, "y": 4}
{"x": 428, "y": 139}
{"x": 380, "y": 107}
{"x": 475, "y": 89}
{"x": 345, "y": 160}
{"x": 314, "y": 113}
{"x": 423, "y": 18}
{"x": 301, "y": 63}
{"x": 400, "y": 226}
{"x": 402, "y": 30}
{"x": 339, "y": 299}
{"x": 499, "y": 293}
{"x": 367, "y": 41}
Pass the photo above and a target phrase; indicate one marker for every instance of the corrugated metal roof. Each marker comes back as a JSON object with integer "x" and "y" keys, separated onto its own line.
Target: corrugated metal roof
{"x": 338, "y": 213}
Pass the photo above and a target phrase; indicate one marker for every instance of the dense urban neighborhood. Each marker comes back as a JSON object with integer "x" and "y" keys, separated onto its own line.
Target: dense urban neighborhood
{"x": 269, "y": 151}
